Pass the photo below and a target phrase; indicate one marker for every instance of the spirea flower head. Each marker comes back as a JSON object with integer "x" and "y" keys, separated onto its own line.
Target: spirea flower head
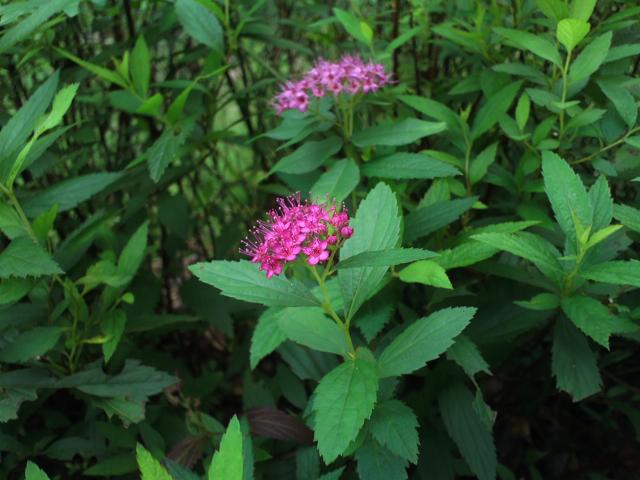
{"x": 297, "y": 229}
{"x": 350, "y": 75}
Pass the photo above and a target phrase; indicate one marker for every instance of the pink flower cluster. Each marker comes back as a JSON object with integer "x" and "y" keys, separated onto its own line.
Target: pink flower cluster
{"x": 350, "y": 75}
{"x": 295, "y": 228}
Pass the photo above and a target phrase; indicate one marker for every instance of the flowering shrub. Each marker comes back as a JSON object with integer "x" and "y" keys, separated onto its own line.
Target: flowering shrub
{"x": 454, "y": 293}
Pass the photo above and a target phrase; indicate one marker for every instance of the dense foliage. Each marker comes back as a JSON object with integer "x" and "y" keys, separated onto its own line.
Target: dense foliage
{"x": 454, "y": 294}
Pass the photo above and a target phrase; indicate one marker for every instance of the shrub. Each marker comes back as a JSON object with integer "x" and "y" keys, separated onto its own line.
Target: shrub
{"x": 447, "y": 286}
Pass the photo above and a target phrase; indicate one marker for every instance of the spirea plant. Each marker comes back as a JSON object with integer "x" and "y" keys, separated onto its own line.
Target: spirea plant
{"x": 261, "y": 240}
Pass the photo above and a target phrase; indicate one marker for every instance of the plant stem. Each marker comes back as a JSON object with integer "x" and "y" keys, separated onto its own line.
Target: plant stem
{"x": 607, "y": 147}
{"x": 565, "y": 84}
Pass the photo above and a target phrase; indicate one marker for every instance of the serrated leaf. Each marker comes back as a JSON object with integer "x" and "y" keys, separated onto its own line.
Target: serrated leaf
{"x": 141, "y": 66}
{"x": 397, "y": 132}
{"x": 566, "y": 193}
{"x": 309, "y": 156}
{"x": 573, "y": 363}
{"x": 23, "y": 257}
{"x": 495, "y": 106}
{"x": 591, "y": 58}
{"x": 337, "y": 182}
{"x": 150, "y": 468}
{"x": 628, "y": 216}
{"x": 344, "y": 399}
{"x": 376, "y": 226}
{"x": 388, "y": 257}
{"x": 426, "y": 220}
{"x": 228, "y": 461}
{"x": 200, "y": 23}
{"x": 522, "y": 111}
{"x": 468, "y": 431}
{"x": 482, "y": 162}
{"x": 591, "y": 317}
{"x": 423, "y": 341}
{"x": 602, "y": 203}
{"x": 528, "y": 246}
{"x": 310, "y": 327}
{"x": 466, "y": 354}
{"x": 395, "y": 426}
{"x": 112, "y": 325}
{"x": 163, "y": 151}
{"x": 571, "y": 31}
{"x": 30, "y": 344}
{"x": 69, "y": 193}
{"x": 622, "y": 100}
{"x": 426, "y": 272}
{"x": 267, "y": 335}
{"x": 376, "y": 462}
{"x": 534, "y": 43}
{"x": 616, "y": 272}
{"x": 243, "y": 280}
{"x": 408, "y": 165}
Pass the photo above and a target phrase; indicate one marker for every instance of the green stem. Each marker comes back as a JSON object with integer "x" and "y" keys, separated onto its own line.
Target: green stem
{"x": 607, "y": 147}
{"x": 328, "y": 308}
{"x": 565, "y": 85}
{"x": 18, "y": 208}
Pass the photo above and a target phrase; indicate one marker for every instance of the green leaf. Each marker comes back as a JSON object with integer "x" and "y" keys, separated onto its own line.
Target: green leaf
{"x": 573, "y": 363}
{"x": 333, "y": 475}
{"x": 344, "y": 399}
{"x": 423, "y": 341}
{"x": 309, "y": 326}
{"x": 69, "y": 193}
{"x": 61, "y": 104}
{"x": 590, "y": 59}
{"x": 382, "y": 258}
{"x": 141, "y": 66}
{"x": 25, "y": 257}
{"x": 495, "y": 106}
{"x": 591, "y": 317}
{"x": 571, "y": 31}
{"x": 376, "y": 462}
{"x": 616, "y": 272}
{"x": 522, "y": 111}
{"x": 163, "y": 151}
{"x": 133, "y": 253}
{"x": 354, "y": 27}
{"x": 267, "y": 335}
{"x": 628, "y": 216}
{"x": 13, "y": 289}
{"x": 337, "y": 182}
{"x": 30, "y": 344}
{"x": 436, "y": 110}
{"x": 602, "y": 203}
{"x": 17, "y": 130}
{"x": 150, "y": 468}
{"x": 10, "y": 223}
{"x": 376, "y": 226}
{"x": 134, "y": 382}
{"x": 567, "y": 195}
{"x": 528, "y": 246}
{"x": 426, "y": 220}
{"x": 408, "y": 165}
{"x": 228, "y": 461}
{"x": 115, "y": 465}
{"x": 470, "y": 433}
{"x": 582, "y": 9}
{"x": 483, "y": 161}
{"x": 397, "y": 132}
{"x": 112, "y": 325}
{"x": 542, "y": 301}
{"x": 104, "y": 73}
{"x": 395, "y": 426}
{"x": 308, "y": 156}
{"x": 244, "y": 281}
{"x": 34, "y": 473}
{"x": 25, "y": 27}
{"x": 426, "y": 272}
{"x": 622, "y": 100}
{"x": 200, "y": 23}
{"x": 534, "y": 43}
{"x": 466, "y": 354}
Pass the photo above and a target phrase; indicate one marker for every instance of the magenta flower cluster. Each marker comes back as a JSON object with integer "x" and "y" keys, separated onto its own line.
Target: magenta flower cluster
{"x": 350, "y": 75}
{"x": 297, "y": 228}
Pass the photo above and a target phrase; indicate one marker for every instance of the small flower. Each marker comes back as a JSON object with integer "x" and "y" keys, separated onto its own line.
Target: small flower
{"x": 295, "y": 228}
{"x": 350, "y": 75}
